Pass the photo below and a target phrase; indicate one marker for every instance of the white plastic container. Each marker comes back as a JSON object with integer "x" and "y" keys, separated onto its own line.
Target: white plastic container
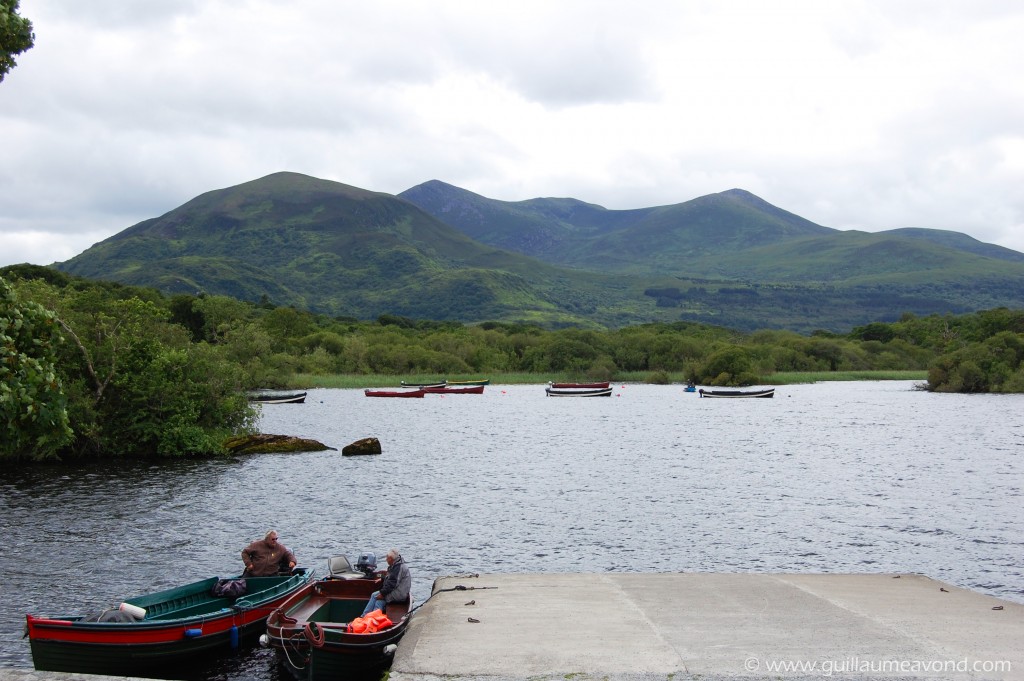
{"x": 133, "y": 610}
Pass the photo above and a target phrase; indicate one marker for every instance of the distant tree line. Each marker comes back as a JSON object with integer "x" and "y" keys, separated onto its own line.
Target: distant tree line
{"x": 96, "y": 369}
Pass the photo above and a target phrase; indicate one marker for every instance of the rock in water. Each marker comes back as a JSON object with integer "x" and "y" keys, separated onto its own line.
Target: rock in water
{"x": 263, "y": 443}
{"x": 368, "y": 445}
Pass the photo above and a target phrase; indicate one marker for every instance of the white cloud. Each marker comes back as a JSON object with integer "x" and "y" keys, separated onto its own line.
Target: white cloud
{"x": 868, "y": 115}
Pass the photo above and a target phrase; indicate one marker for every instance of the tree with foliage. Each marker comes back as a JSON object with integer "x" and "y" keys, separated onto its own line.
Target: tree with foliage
{"x": 136, "y": 384}
{"x": 729, "y": 366}
{"x": 33, "y": 409}
{"x": 996, "y": 364}
{"x": 15, "y": 35}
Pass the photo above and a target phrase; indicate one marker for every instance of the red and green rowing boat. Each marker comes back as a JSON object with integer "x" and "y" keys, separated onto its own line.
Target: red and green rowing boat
{"x": 177, "y": 626}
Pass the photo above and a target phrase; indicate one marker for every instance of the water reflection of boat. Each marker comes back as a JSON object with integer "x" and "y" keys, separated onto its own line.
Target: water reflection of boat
{"x": 158, "y": 633}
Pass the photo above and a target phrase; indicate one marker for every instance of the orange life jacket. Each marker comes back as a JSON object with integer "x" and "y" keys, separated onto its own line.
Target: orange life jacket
{"x": 370, "y": 623}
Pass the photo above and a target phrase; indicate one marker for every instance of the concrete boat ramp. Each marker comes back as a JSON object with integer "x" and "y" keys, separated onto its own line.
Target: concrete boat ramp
{"x": 639, "y": 627}
{"x": 678, "y": 627}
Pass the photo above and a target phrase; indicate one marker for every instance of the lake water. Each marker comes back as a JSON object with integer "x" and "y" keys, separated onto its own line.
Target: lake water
{"x": 832, "y": 478}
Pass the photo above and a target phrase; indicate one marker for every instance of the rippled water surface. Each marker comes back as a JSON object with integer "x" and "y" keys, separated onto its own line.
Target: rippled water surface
{"x": 832, "y": 477}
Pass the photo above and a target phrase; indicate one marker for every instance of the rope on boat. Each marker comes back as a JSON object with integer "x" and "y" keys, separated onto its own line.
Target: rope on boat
{"x": 286, "y": 644}
{"x": 314, "y": 634}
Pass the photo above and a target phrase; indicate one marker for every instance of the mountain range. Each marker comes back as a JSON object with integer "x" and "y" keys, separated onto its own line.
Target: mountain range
{"x": 436, "y": 251}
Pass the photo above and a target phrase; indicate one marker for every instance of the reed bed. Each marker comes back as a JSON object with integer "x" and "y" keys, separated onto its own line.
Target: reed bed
{"x": 790, "y": 377}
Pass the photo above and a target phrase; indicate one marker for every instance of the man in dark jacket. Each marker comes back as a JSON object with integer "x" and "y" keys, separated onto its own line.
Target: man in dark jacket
{"x": 266, "y": 557}
{"x": 396, "y": 586}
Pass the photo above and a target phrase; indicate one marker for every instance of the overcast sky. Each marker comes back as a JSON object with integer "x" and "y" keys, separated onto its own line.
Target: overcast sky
{"x": 870, "y": 115}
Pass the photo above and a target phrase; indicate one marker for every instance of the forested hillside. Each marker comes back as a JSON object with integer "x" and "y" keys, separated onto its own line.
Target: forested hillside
{"x": 728, "y": 259}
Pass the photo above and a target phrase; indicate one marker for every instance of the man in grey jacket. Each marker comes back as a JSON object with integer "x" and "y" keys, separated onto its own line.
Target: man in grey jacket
{"x": 396, "y": 585}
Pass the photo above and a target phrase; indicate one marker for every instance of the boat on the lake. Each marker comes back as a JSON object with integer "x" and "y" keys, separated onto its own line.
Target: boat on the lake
{"x": 456, "y": 390}
{"x": 690, "y": 388}
{"x": 314, "y": 633}
{"x": 439, "y": 384}
{"x": 578, "y": 392}
{"x": 480, "y": 381}
{"x": 411, "y": 392}
{"x": 278, "y": 398}
{"x": 765, "y": 392}
{"x": 162, "y": 633}
{"x": 596, "y": 385}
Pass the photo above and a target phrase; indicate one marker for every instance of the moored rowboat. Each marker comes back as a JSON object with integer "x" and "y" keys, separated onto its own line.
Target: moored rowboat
{"x": 310, "y": 633}
{"x": 597, "y": 392}
{"x": 597, "y": 385}
{"x": 278, "y": 398}
{"x": 457, "y": 390}
{"x": 767, "y": 392}
{"x": 419, "y": 392}
{"x": 177, "y": 626}
{"x": 423, "y": 386}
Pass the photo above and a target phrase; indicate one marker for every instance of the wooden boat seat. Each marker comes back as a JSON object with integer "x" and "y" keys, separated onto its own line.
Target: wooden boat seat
{"x": 207, "y": 606}
{"x": 398, "y": 610}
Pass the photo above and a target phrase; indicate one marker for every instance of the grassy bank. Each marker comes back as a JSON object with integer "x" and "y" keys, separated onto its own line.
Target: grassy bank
{"x": 357, "y": 381}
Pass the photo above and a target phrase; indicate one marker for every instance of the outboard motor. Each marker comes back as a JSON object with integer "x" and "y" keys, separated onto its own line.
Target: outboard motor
{"x": 367, "y": 563}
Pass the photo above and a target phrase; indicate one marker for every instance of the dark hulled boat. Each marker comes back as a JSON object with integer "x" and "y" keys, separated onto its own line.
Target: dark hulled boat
{"x": 423, "y": 386}
{"x": 310, "y": 631}
{"x": 574, "y": 392}
{"x": 766, "y": 392}
{"x": 278, "y": 398}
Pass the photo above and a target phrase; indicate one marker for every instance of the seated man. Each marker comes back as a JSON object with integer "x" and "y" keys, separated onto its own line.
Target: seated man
{"x": 396, "y": 585}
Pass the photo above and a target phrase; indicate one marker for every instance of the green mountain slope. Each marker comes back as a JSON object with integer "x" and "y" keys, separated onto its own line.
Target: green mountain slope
{"x": 331, "y": 248}
{"x": 537, "y": 227}
{"x": 729, "y": 234}
{"x": 857, "y": 258}
{"x": 958, "y": 241}
{"x": 730, "y": 259}
{"x": 677, "y": 239}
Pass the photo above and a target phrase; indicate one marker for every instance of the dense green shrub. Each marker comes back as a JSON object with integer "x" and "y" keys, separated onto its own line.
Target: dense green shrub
{"x": 134, "y": 383}
{"x": 33, "y": 406}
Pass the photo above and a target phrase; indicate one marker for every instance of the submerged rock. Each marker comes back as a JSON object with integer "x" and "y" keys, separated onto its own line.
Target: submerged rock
{"x": 368, "y": 445}
{"x": 263, "y": 443}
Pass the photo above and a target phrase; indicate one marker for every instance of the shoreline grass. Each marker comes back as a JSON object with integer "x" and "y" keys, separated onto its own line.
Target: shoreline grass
{"x": 359, "y": 381}
{"x": 790, "y": 377}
